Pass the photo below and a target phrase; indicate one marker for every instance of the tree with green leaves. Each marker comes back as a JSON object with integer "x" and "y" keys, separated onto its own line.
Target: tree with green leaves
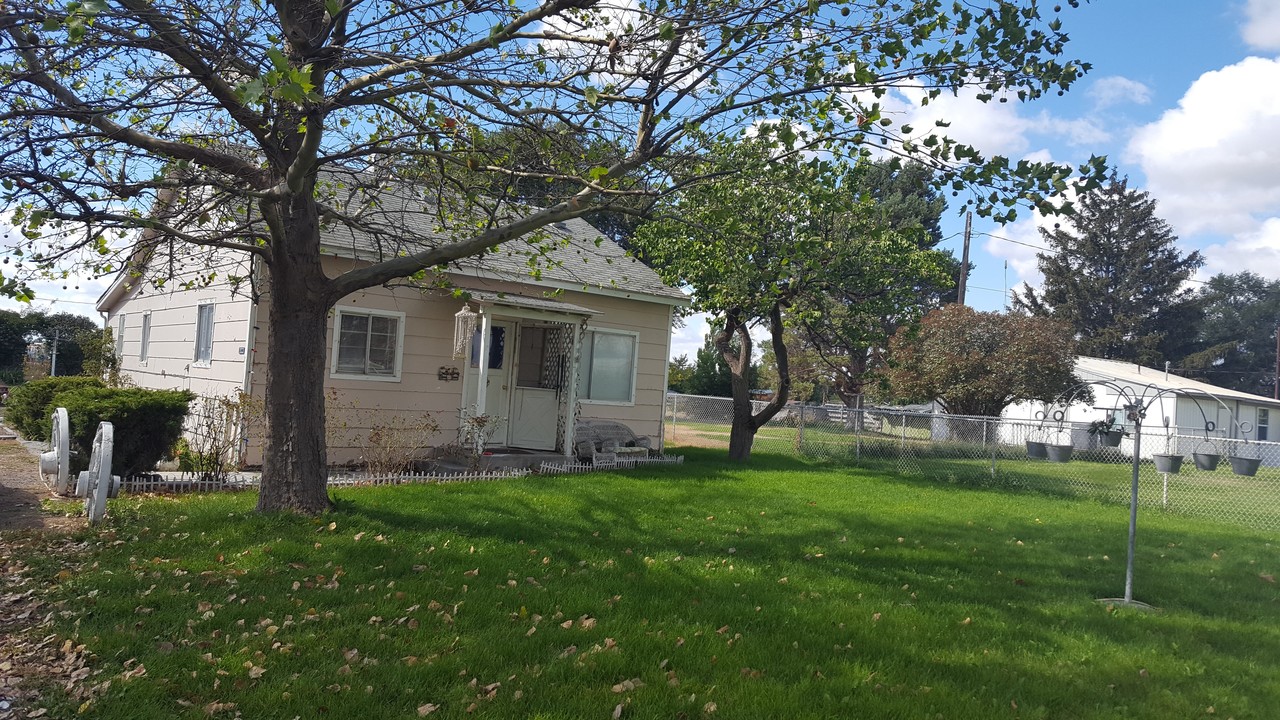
{"x": 762, "y": 245}
{"x": 67, "y": 330}
{"x": 13, "y": 346}
{"x": 256, "y": 127}
{"x": 1115, "y": 274}
{"x": 978, "y": 363}
{"x": 1237, "y": 338}
{"x": 849, "y": 325}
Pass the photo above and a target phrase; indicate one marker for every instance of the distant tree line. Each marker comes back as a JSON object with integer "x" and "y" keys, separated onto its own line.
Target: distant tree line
{"x": 80, "y": 344}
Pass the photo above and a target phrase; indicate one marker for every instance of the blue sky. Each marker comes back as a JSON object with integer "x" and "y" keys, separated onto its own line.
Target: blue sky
{"x": 1183, "y": 97}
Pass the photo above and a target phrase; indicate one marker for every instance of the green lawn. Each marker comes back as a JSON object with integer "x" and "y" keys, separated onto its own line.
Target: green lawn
{"x": 783, "y": 590}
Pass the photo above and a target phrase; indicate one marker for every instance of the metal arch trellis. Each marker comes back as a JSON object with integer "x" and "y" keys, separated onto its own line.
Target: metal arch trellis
{"x": 1135, "y": 404}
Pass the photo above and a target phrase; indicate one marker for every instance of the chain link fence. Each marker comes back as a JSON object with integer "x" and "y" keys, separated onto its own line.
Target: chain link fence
{"x": 1218, "y": 479}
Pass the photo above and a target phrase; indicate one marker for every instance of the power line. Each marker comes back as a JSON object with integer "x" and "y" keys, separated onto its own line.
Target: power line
{"x": 1048, "y": 250}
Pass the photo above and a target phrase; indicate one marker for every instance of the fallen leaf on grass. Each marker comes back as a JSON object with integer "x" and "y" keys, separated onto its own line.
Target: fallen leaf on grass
{"x": 256, "y": 672}
{"x": 1268, "y": 577}
{"x": 215, "y": 707}
{"x": 617, "y": 711}
{"x": 427, "y": 709}
{"x": 709, "y": 708}
{"x": 628, "y": 685}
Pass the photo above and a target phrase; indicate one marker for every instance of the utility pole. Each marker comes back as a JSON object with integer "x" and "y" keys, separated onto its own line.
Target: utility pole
{"x": 1275, "y": 393}
{"x": 964, "y": 258}
{"x": 53, "y": 365}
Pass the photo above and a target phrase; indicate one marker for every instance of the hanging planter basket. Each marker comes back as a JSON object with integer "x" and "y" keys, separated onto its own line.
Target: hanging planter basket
{"x": 1206, "y": 456}
{"x": 1168, "y": 463}
{"x": 1247, "y": 466}
{"x": 1112, "y": 438}
{"x": 1059, "y": 453}
{"x": 1036, "y": 450}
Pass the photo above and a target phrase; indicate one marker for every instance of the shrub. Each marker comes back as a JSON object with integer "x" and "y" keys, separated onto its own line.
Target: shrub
{"x": 31, "y": 405}
{"x": 147, "y": 423}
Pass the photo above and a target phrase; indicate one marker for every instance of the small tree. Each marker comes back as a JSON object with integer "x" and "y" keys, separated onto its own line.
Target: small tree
{"x": 848, "y": 326}
{"x": 978, "y": 363}
{"x": 767, "y": 243}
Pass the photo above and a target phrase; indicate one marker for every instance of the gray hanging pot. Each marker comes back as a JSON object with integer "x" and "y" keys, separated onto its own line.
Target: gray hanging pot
{"x": 1206, "y": 461}
{"x": 1167, "y": 463}
{"x": 1059, "y": 453}
{"x": 1112, "y": 438}
{"x": 1244, "y": 465}
{"x": 1036, "y": 450}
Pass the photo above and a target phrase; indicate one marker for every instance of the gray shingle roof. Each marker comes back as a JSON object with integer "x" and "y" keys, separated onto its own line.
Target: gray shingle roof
{"x": 570, "y": 254}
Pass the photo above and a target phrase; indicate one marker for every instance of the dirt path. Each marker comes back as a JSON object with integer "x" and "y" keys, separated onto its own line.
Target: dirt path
{"x": 21, "y": 491}
{"x": 29, "y": 656}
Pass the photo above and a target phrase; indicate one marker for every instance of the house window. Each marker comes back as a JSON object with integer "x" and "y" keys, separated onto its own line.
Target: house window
{"x": 608, "y": 367}
{"x": 368, "y": 344}
{"x": 146, "y": 337}
{"x": 204, "y": 334}
{"x": 120, "y": 336}
{"x": 1264, "y": 423}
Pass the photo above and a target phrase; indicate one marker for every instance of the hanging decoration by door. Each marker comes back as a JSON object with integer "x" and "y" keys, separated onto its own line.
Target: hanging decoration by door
{"x": 464, "y": 327}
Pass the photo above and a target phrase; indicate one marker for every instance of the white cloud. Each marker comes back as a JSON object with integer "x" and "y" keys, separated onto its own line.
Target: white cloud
{"x": 1117, "y": 90}
{"x": 1260, "y": 247}
{"x": 994, "y": 128}
{"x": 1261, "y": 28}
{"x": 689, "y": 338}
{"x": 1016, "y": 245}
{"x": 1211, "y": 162}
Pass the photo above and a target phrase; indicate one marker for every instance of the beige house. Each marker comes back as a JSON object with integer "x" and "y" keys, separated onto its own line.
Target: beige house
{"x": 589, "y": 339}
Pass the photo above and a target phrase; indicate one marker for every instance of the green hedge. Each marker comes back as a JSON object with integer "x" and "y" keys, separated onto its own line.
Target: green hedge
{"x": 31, "y": 405}
{"x": 147, "y": 423}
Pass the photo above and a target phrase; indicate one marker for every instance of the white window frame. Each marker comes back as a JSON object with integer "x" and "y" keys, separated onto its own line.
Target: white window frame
{"x": 197, "y": 362}
{"x": 338, "y": 312}
{"x": 584, "y": 370}
{"x": 120, "y": 320}
{"x": 1263, "y": 420}
{"x": 144, "y": 348}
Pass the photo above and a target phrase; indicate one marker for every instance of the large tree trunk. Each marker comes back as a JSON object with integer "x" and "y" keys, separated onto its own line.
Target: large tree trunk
{"x": 294, "y": 466}
{"x": 742, "y": 433}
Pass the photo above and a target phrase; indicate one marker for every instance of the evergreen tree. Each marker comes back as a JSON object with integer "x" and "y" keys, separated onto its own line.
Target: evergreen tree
{"x": 850, "y": 323}
{"x": 1116, "y": 275}
{"x": 1237, "y": 340}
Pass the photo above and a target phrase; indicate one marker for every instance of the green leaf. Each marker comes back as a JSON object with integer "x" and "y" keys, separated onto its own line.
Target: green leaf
{"x": 251, "y": 92}
{"x": 278, "y": 59}
{"x": 591, "y": 95}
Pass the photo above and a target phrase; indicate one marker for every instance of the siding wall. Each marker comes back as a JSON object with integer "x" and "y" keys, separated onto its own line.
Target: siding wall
{"x": 170, "y": 362}
{"x": 356, "y": 404}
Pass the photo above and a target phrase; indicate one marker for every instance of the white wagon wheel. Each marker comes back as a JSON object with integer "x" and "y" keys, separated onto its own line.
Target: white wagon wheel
{"x": 99, "y": 474}
{"x": 55, "y": 465}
